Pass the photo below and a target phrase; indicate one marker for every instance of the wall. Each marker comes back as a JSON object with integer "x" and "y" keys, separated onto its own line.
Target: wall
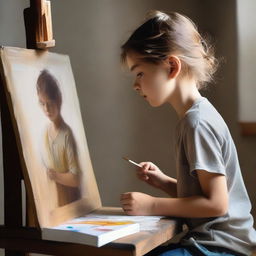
{"x": 117, "y": 121}
{"x": 247, "y": 59}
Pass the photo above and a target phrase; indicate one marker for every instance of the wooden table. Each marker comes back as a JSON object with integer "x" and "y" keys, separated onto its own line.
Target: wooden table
{"x": 29, "y": 240}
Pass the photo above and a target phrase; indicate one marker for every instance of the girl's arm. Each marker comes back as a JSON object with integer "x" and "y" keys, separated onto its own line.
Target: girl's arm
{"x": 212, "y": 203}
{"x": 169, "y": 186}
{"x": 65, "y": 178}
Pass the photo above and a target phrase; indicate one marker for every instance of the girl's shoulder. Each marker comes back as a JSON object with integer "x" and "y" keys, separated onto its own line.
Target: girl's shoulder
{"x": 203, "y": 118}
{"x": 193, "y": 115}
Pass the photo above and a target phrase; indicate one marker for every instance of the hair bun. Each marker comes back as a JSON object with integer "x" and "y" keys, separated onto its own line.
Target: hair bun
{"x": 161, "y": 16}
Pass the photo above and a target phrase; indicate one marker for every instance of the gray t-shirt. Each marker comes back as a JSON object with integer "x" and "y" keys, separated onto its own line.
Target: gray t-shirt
{"x": 203, "y": 142}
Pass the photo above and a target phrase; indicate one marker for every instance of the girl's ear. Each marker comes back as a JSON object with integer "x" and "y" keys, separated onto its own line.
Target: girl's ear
{"x": 174, "y": 66}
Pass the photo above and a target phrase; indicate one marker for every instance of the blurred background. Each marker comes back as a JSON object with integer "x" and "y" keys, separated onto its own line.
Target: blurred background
{"x": 117, "y": 121}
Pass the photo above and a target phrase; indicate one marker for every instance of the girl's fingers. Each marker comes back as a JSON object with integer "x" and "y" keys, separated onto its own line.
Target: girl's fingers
{"x": 142, "y": 176}
{"x": 144, "y": 165}
{"x": 142, "y": 173}
{"x": 125, "y": 201}
{"x": 148, "y": 166}
{"x": 126, "y": 197}
{"x": 126, "y": 206}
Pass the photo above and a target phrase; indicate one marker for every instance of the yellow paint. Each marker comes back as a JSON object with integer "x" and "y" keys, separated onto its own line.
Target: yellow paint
{"x": 104, "y": 222}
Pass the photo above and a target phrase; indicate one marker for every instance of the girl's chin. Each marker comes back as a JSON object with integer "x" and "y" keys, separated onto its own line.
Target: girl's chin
{"x": 154, "y": 104}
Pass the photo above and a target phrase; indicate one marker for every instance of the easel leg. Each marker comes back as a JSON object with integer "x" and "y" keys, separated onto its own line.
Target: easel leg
{"x": 12, "y": 171}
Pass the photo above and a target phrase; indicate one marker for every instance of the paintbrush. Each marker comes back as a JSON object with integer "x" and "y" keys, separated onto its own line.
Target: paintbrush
{"x": 130, "y": 161}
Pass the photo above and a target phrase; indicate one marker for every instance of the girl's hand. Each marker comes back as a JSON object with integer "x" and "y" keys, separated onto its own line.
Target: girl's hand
{"x": 135, "y": 203}
{"x": 151, "y": 174}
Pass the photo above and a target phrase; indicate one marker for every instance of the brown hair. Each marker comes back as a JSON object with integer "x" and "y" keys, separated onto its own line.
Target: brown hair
{"x": 163, "y": 34}
{"x": 48, "y": 85}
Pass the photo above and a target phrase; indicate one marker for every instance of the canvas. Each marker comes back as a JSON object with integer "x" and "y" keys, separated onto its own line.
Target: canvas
{"x": 42, "y": 94}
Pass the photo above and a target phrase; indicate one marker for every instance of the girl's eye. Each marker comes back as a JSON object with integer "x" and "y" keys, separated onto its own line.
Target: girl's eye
{"x": 140, "y": 74}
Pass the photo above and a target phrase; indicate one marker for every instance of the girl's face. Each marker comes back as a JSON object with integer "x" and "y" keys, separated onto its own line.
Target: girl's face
{"x": 50, "y": 107}
{"x": 152, "y": 81}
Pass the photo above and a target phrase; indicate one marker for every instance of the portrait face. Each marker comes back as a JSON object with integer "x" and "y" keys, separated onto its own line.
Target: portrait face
{"x": 50, "y": 108}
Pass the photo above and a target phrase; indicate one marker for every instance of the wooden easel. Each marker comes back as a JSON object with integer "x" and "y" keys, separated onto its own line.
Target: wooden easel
{"x": 39, "y": 36}
{"x": 18, "y": 240}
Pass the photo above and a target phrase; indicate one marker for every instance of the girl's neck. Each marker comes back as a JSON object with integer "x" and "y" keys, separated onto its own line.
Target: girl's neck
{"x": 185, "y": 94}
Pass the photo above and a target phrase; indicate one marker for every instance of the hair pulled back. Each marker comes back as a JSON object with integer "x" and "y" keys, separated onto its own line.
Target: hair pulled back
{"x": 164, "y": 34}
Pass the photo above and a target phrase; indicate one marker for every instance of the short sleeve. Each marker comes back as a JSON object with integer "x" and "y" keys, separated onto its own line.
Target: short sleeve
{"x": 203, "y": 149}
{"x": 71, "y": 154}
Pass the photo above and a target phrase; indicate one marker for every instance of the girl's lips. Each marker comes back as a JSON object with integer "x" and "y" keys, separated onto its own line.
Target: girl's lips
{"x": 142, "y": 95}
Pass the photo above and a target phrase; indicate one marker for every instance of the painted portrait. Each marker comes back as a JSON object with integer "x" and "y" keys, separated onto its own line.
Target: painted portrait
{"x": 43, "y": 96}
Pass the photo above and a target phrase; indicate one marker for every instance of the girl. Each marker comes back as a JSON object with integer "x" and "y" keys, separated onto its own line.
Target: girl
{"x": 171, "y": 63}
{"x": 59, "y": 149}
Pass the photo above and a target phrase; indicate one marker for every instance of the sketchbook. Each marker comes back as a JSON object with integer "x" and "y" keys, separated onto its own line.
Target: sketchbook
{"x": 94, "y": 230}
{"x": 99, "y": 229}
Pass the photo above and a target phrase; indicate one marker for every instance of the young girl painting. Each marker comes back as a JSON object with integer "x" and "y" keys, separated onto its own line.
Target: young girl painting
{"x": 59, "y": 152}
{"x": 171, "y": 62}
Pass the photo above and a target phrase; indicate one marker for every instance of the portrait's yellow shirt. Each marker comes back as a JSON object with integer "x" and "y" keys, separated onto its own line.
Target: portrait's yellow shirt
{"x": 60, "y": 155}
